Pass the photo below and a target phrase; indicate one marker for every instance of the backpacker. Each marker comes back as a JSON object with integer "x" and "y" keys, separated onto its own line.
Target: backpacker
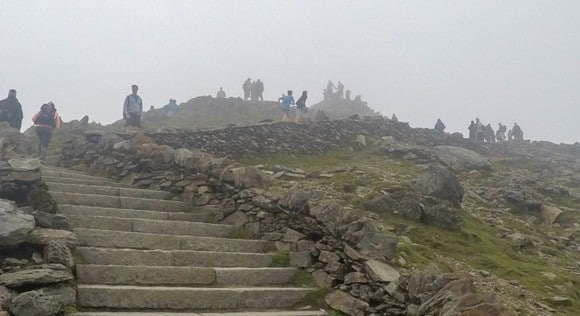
{"x": 46, "y": 118}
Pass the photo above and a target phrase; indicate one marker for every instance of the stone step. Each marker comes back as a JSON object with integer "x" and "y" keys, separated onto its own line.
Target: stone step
{"x": 270, "y": 313}
{"x": 182, "y": 276}
{"x": 104, "y": 182}
{"x": 117, "y": 239}
{"x": 151, "y": 226}
{"x": 185, "y": 298}
{"x": 52, "y": 160}
{"x": 179, "y": 258}
{"x": 107, "y": 190}
{"x": 119, "y": 202}
{"x": 81, "y": 210}
{"x": 63, "y": 173}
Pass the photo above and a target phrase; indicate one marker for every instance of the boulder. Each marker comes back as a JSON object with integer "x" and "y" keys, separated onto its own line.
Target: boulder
{"x": 48, "y": 274}
{"x": 441, "y": 216}
{"x": 300, "y": 259}
{"x": 48, "y": 220}
{"x": 247, "y": 177}
{"x": 296, "y": 200}
{"x": 25, "y": 164}
{"x": 15, "y": 226}
{"x": 107, "y": 141}
{"x": 345, "y": 303}
{"x": 355, "y": 277}
{"x": 461, "y": 159}
{"x": 58, "y": 252}
{"x": 440, "y": 183}
{"x": 323, "y": 279}
{"x": 549, "y": 214}
{"x": 183, "y": 158}
{"x": 378, "y": 245}
{"x": 381, "y": 272}
{"x": 43, "y": 302}
{"x": 43, "y": 236}
{"x": 6, "y": 295}
{"x": 237, "y": 219}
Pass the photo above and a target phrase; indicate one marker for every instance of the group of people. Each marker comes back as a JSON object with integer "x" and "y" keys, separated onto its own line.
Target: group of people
{"x": 485, "y": 133}
{"x": 288, "y": 99}
{"x": 253, "y": 90}
{"x": 45, "y": 120}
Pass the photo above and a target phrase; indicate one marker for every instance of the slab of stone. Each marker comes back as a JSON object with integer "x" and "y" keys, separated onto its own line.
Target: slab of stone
{"x": 380, "y": 271}
{"x": 15, "y": 227}
{"x": 355, "y": 277}
{"x": 323, "y": 279}
{"x": 47, "y": 301}
{"x": 43, "y": 236}
{"x": 345, "y": 303}
{"x": 301, "y": 259}
{"x": 36, "y": 277}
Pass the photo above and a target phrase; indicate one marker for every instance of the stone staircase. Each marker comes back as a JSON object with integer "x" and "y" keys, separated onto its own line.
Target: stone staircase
{"x": 142, "y": 254}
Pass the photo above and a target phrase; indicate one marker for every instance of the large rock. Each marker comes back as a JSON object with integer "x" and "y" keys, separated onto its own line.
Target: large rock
{"x": 345, "y": 303}
{"x": 44, "y": 302}
{"x": 46, "y": 274}
{"x": 378, "y": 245}
{"x": 25, "y": 164}
{"x": 107, "y": 141}
{"x": 296, "y": 200}
{"x": 440, "y": 183}
{"x": 6, "y": 295}
{"x": 441, "y": 216}
{"x": 549, "y": 214}
{"x": 382, "y": 272}
{"x": 15, "y": 226}
{"x": 48, "y": 220}
{"x": 43, "y": 236}
{"x": 183, "y": 158}
{"x": 247, "y": 177}
{"x": 461, "y": 159}
{"x": 58, "y": 252}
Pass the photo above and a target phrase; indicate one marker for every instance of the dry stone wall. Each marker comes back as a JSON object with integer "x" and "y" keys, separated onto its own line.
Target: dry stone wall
{"x": 35, "y": 270}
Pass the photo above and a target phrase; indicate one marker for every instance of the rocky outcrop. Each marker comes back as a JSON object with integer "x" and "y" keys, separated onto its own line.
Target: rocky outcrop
{"x": 461, "y": 159}
{"x": 15, "y": 226}
{"x": 43, "y": 302}
{"x": 440, "y": 183}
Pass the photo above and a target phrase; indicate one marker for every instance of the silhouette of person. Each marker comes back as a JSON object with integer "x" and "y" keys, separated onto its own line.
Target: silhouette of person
{"x": 439, "y": 126}
{"x": 221, "y": 94}
{"x": 11, "y": 110}
{"x": 285, "y": 102}
{"x": 247, "y": 87}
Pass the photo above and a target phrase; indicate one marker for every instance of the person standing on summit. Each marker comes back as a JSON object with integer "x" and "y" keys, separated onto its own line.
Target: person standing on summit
{"x": 285, "y": 102}
{"x": 133, "y": 109}
{"x": 45, "y": 121}
{"x": 247, "y": 87}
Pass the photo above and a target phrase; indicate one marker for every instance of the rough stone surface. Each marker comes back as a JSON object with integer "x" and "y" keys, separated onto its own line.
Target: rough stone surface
{"x": 58, "y": 252}
{"x": 48, "y": 220}
{"x": 440, "y": 183}
{"x": 43, "y": 236}
{"x": 301, "y": 259}
{"x": 323, "y": 279}
{"x": 15, "y": 226}
{"x": 345, "y": 303}
{"x": 379, "y": 271}
{"x": 48, "y": 274}
{"x": 44, "y": 302}
{"x": 6, "y": 295}
{"x": 461, "y": 159}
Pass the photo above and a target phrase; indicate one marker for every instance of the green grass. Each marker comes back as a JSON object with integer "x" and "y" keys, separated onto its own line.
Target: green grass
{"x": 477, "y": 245}
{"x": 281, "y": 258}
{"x": 70, "y": 310}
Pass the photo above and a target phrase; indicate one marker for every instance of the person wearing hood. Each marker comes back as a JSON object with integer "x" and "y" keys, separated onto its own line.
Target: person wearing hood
{"x": 11, "y": 110}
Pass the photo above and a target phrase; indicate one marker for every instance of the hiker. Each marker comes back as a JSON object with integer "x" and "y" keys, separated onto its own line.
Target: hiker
{"x": 340, "y": 90}
{"x": 301, "y": 106}
{"x": 45, "y": 121}
{"x": 171, "y": 108}
{"x": 330, "y": 88}
{"x": 285, "y": 102}
{"x": 247, "y": 86}
{"x": 254, "y": 92}
{"x": 259, "y": 90}
{"x": 479, "y": 131}
{"x": 394, "y": 118}
{"x": 133, "y": 109}
{"x": 510, "y": 135}
{"x": 439, "y": 126}
{"x": 472, "y": 128}
{"x": 500, "y": 134}
{"x": 517, "y": 132}
{"x": 11, "y": 110}
{"x": 489, "y": 134}
{"x": 358, "y": 98}
{"x": 347, "y": 95}
{"x": 221, "y": 94}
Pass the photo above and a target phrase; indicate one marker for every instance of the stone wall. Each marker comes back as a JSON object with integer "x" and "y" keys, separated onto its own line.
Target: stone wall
{"x": 35, "y": 267}
{"x": 347, "y": 251}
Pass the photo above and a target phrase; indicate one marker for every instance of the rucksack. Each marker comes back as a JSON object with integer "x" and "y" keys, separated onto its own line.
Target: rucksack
{"x": 46, "y": 118}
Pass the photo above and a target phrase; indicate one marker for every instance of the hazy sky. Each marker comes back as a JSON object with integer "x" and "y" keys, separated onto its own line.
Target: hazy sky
{"x": 503, "y": 61}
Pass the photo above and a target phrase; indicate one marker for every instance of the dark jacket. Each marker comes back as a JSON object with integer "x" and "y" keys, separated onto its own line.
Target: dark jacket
{"x": 11, "y": 112}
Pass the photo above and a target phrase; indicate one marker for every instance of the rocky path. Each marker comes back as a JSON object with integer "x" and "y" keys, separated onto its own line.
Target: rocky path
{"x": 141, "y": 253}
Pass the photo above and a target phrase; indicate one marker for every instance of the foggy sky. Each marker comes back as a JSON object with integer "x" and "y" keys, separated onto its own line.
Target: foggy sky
{"x": 501, "y": 61}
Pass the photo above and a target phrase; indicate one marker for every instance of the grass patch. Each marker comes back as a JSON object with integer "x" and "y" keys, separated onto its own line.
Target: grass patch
{"x": 241, "y": 233}
{"x": 303, "y": 278}
{"x": 281, "y": 258}
{"x": 70, "y": 310}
